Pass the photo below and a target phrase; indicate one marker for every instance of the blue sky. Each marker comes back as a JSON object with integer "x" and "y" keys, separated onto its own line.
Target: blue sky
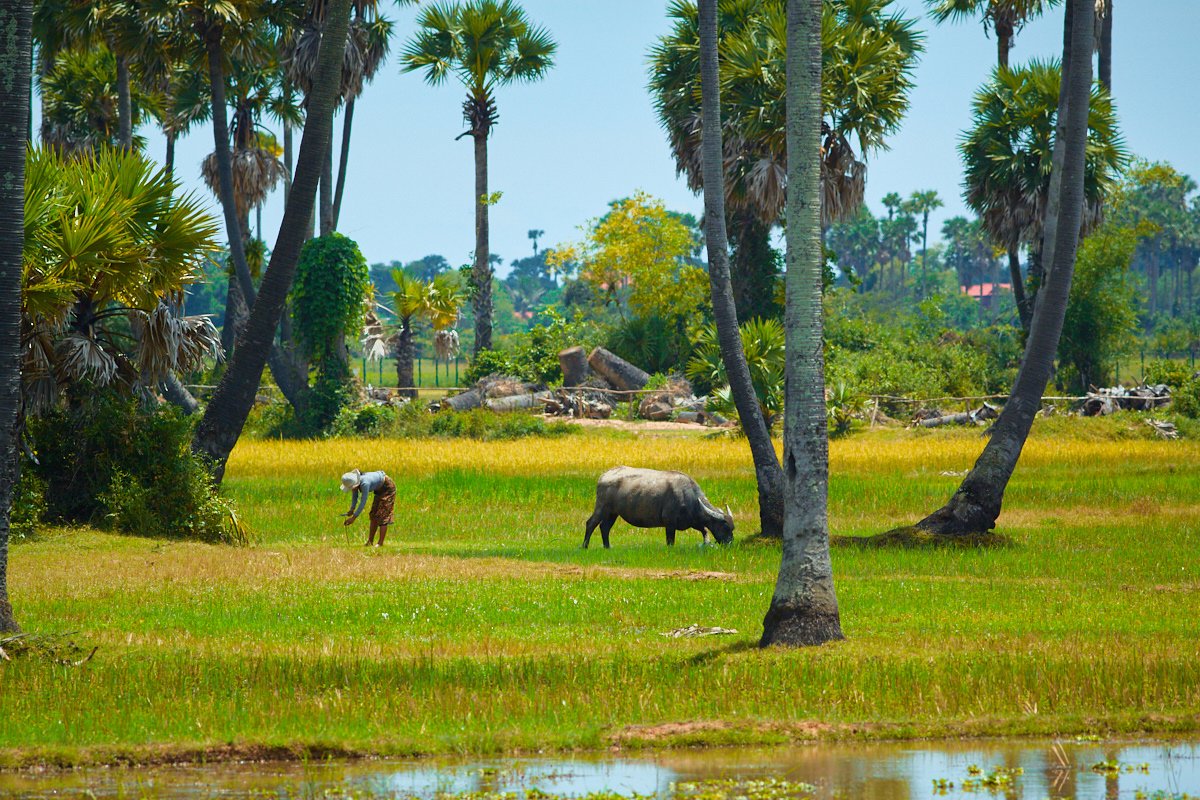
{"x": 587, "y": 134}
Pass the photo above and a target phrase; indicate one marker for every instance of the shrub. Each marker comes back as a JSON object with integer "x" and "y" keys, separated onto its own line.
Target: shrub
{"x": 533, "y": 355}
{"x": 1186, "y": 398}
{"x": 653, "y": 343}
{"x": 109, "y": 460}
{"x": 28, "y": 503}
{"x": 1173, "y": 373}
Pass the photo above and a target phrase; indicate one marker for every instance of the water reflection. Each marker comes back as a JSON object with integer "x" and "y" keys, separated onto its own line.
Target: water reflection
{"x": 906, "y": 771}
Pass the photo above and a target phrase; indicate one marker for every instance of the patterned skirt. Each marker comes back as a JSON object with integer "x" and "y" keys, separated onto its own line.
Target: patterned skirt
{"x": 384, "y": 503}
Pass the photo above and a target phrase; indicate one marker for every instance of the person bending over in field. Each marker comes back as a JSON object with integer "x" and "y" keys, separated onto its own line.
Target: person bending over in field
{"x": 359, "y": 484}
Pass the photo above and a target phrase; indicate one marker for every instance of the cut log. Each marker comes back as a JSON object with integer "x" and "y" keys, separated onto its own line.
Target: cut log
{"x": 518, "y": 402}
{"x": 574, "y": 363}
{"x": 977, "y": 417}
{"x": 656, "y": 407}
{"x": 617, "y": 371}
{"x": 472, "y": 398}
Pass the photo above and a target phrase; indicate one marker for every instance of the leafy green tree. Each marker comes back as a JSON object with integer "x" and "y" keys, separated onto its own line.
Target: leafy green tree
{"x": 329, "y": 304}
{"x": 969, "y": 251}
{"x": 1008, "y": 153}
{"x": 411, "y": 302}
{"x": 1004, "y": 17}
{"x": 869, "y": 55}
{"x": 80, "y": 102}
{"x": 485, "y": 44}
{"x": 637, "y": 258}
{"x": 1102, "y": 311}
{"x": 1161, "y": 199}
{"x": 855, "y": 244}
{"x": 804, "y": 607}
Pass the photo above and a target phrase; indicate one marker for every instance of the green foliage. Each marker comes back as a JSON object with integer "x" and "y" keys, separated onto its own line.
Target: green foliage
{"x": 533, "y": 355}
{"x": 333, "y": 389}
{"x": 28, "y": 503}
{"x": 413, "y": 421}
{"x": 80, "y": 94}
{"x": 1172, "y": 373}
{"x": 1102, "y": 310}
{"x": 1185, "y": 398}
{"x": 108, "y": 460}
{"x": 653, "y": 343}
{"x": 332, "y": 281}
{"x": 763, "y": 341}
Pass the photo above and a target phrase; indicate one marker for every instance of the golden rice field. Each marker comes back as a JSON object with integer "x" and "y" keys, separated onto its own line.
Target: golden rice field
{"x": 482, "y": 627}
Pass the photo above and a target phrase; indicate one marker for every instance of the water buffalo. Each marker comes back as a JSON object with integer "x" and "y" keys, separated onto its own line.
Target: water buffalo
{"x": 650, "y": 498}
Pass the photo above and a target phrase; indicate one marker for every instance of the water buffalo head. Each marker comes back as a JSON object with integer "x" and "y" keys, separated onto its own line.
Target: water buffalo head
{"x": 723, "y": 531}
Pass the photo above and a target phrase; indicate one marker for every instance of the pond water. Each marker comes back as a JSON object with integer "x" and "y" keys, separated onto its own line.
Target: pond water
{"x": 889, "y": 771}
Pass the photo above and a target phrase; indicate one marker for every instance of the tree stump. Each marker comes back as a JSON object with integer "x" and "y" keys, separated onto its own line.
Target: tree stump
{"x": 574, "y": 365}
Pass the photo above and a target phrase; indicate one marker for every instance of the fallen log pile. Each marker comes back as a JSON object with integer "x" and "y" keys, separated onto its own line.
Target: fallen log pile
{"x": 979, "y": 416}
{"x": 1102, "y": 402}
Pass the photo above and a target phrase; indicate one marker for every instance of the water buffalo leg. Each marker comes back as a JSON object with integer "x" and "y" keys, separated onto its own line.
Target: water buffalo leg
{"x": 593, "y": 520}
{"x": 605, "y": 527}
{"x": 704, "y": 536}
{"x": 670, "y": 537}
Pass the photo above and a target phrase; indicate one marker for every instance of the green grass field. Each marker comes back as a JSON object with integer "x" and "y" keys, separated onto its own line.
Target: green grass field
{"x": 482, "y": 627}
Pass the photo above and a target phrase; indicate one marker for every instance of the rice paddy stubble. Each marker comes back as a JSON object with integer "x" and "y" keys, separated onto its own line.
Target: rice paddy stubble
{"x": 482, "y": 626}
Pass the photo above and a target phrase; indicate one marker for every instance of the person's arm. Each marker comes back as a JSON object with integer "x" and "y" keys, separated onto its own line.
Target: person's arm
{"x": 353, "y": 501}
{"x": 361, "y": 493}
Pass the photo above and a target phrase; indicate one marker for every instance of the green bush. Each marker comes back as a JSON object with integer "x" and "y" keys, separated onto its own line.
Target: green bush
{"x": 1173, "y": 373}
{"x": 533, "y": 355}
{"x": 653, "y": 343}
{"x": 108, "y": 460}
{"x": 1186, "y": 398}
{"x": 28, "y": 503}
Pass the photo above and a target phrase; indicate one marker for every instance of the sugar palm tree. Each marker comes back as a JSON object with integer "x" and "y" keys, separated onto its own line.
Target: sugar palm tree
{"x": 975, "y": 506}
{"x": 923, "y": 203}
{"x": 410, "y": 301}
{"x": 222, "y": 423}
{"x": 870, "y": 55}
{"x": 16, "y": 48}
{"x": 1004, "y": 17}
{"x": 804, "y": 608}
{"x": 768, "y": 473}
{"x": 484, "y": 44}
{"x": 1008, "y": 154}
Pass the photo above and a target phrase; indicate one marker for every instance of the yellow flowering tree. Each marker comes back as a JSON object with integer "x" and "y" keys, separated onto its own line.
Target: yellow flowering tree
{"x": 636, "y": 258}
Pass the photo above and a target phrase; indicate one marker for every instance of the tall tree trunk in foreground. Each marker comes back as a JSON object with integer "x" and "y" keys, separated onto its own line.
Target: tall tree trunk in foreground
{"x": 222, "y": 424}
{"x": 343, "y": 159}
{"x": 326, "y": 195}
{"x": 975, "y": 507}
{"x": 124, "y": 105}
{"x": 1105, "y": 60}
{"x": 766, "y": 466}
{"x": 405, "y": 348}
{"x": 16, "y": 25}
{"x": 483, "y": 267}
{"x": 804, "y": 607}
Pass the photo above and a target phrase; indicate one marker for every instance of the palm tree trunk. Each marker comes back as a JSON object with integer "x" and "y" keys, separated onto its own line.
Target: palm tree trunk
{"x": 344, "y": 157}
{"x": 1152, "y": 274}
{"x": 404, "y": 359}
{"x": 287, "y": 159}
{"x": 483, "y": 266}
{"x": 221, "y": 426}
{"x": 327, "y": 223}
{"x": 1105, "y": 60}
{"x": 170, "y": 157}
{"x": 924, "y": 252}
{"x": 178, "y": 395}
{"x": 804, "y": 607}
{"x": 16, "y": 24}
{"x": 233, "y": 227}
{"x": 975, "y": 507}
{"x": 124, "y": 105}
{"x": 767, "y": 471}
{"x": 1004, "y": 38}
{"x": 1024, "y": 312}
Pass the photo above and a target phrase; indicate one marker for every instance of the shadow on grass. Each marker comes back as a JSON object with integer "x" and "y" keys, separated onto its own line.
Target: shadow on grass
{"x": 743, "y": 646}
{"x": 913, "y": 537}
